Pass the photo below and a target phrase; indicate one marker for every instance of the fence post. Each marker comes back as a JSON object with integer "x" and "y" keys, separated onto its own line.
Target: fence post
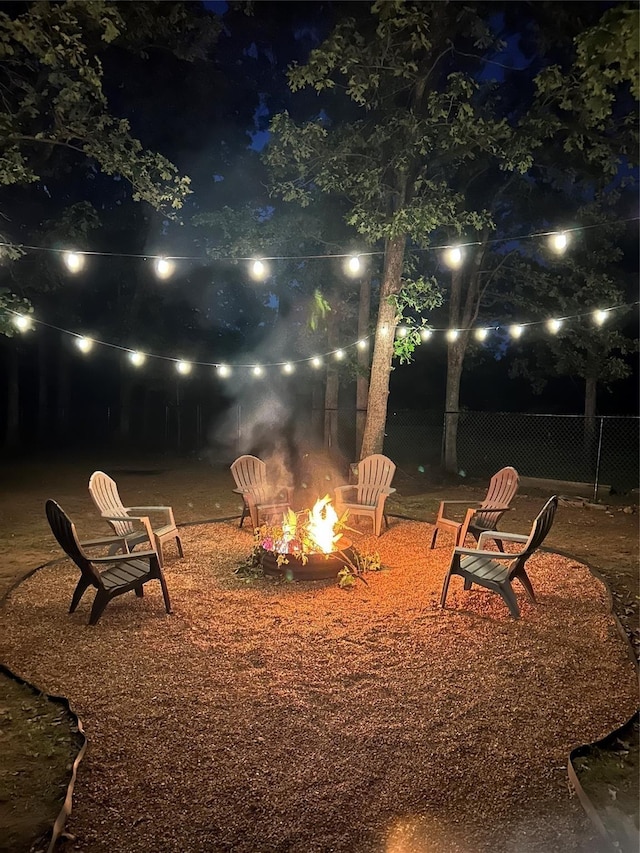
{"x": 598, "y": 456}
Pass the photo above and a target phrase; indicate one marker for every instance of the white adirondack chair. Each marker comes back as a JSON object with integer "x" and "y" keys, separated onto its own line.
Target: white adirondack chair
{"x": 480, "y": 516}
{"x": 261, "y": 498}
{"x": 133, "y": 523}
{"x": 367, "y": 497}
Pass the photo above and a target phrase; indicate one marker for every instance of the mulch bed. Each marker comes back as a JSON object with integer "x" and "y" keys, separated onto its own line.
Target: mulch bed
{"x": 267, "y": 716}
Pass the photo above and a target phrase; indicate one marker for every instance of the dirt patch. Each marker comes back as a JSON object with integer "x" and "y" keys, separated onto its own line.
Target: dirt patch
{"x": 606, "y": 539}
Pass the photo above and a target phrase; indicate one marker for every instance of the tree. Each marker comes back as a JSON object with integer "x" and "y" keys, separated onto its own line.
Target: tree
{"x": 419, "y": 121}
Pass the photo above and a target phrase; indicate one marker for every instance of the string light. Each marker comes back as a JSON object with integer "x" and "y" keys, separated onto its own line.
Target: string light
{"x": 259, "y": 270}
{"x": 453, "y": 257}
{"x": 558, "y": 241}
{"x": 85, "y": 345}
{"x": 402, "y": 331}
{"x": 353, "y": 265}
{"x": 22, "y": 322}
{"x": 74, "y": 261}
{"x": 164, "y": 268}
{"x": 287, "y": 368}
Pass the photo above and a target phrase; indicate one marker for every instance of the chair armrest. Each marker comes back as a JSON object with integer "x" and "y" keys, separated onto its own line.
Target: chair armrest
{"x": 477, "y": 552}
{"x": 466, "y": 503}
{"x": 103, "y": 540}
{"x": 143, "y": 510}
{"x": 123, "y": 558}
{"x": 343, "y": 489}
{"x": 141, "y": 518}
{"x": 498, "y": 534}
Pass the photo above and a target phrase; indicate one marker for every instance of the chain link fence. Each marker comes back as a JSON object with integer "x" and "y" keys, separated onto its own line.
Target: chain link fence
{"x": 601, "y": 451}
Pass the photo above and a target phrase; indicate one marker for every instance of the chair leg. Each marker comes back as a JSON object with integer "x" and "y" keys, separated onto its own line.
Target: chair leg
{"x": 510, "y": 599}
{"x": 386, "y": 520}
{"x": 467, "y": 584}
{"x": 245, "y": 511}
{"x": 179, "y": 546}
{"x": 523, "y": 577}
{"x": 159, "y": 552}
{"x": 499, "y": 545}
{"x": 433, "y": 538}
{"x": 99, "y": 603}
{"x": 445, "y": 589}
{"x": 79, "y": 591}
{"x": 139, "y": 591}
{"x": 165, "y": 593}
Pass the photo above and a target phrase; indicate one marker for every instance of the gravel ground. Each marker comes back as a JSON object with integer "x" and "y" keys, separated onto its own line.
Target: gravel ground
{"x": 267, "y": 716}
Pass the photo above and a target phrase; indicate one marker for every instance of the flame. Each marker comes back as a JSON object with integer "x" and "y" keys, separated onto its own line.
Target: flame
{"x": 322, "y": 519}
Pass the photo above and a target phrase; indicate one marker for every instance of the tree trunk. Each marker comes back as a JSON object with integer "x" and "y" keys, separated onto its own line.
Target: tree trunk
{"x": 373, "y": 439}
{"x": 12, "y": 434}
{"x": 332, "y": 387}
{"x": 455, "y": 361}
{"x": 43, "y": 387}
{"x": 463, "y": 311}
{"x": 63, "y": 397}
{"x": 590, "y": 398}
{"x": 362, "y": 381}
{"x": 123, "y": 430}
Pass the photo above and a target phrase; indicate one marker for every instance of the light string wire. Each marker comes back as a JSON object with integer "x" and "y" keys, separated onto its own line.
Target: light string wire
{"x": 338, "y": 352}
{"x": 153, "y": 257}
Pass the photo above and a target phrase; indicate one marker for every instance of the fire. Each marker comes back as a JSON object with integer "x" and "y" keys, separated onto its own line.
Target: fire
{"x": 320, "y": 527}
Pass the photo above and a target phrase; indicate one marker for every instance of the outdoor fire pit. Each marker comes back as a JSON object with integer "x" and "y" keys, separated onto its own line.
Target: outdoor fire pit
{"x": 306, "y": 545}
{"x": 318, "y": 566}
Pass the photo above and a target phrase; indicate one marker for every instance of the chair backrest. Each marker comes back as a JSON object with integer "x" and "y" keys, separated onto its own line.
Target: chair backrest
{"x": 64, "y": 531}
{"x": 539, "y": 530}
{"x": 374, "y": 473}
{"x": 249, "y": 473}
{"x": 104, "y": 493}
{"x": 502, "y": 489}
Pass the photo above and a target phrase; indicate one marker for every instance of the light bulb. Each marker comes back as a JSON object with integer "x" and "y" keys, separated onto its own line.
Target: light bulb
{"x": 599, "y": 317}
{"x": 339, "y": 354}
{"x": 554, "y": 326}
{"x": 137, "y": 358}
{"x": 425, "y": 334}
{"x": 22, "y": 322}
{"x": 453, "y": 257}
{"x": 316, "y": 361}
{"x": 164, "y": 267}
{"x": 452, "y": 335}
{"x": 362, "y": 344}
{"x": 481, "y": 334}
{"x": 184, "y": 367}
{"x": 558, "y": 242}
{"x": 74, "y": 261}
{"x": 84, "y": 344}
{"x": 354, "y": 265}
{"x": 259, "y": 270}
{"x": 223, "y": 370}
{"x": 287, "y": 368}
{"x": 257, "y": 370}
{"x": 515, "y": 331}
{"x": 402, "y": 331}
